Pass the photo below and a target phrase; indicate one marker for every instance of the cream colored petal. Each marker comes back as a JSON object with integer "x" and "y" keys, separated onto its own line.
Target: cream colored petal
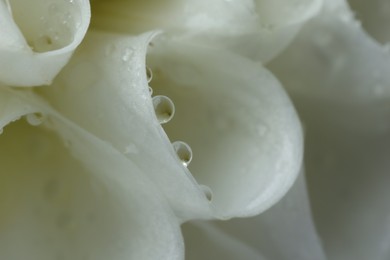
{"x": 75, "y": 197}
{"x": 286, "y": 231}
{"x": 38, "y": 37}
{"x": 247, "y": 149}
{"x": 104, "y": 89}
{"x": 204, "y": 240}
{"x": 259, "y": 29}
{"x": 244, "y": 133}
{"x": 339, "y": 78}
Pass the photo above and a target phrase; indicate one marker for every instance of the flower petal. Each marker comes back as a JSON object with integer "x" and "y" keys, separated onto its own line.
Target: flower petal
{"x": 104, "y": 89}
{"x": 90, "y": 203}
{"x": 258, "y": 29}
{"x": 342, "y": 91}
{"x": 243, "y": 130}
{"x": 38, "y": 37}
{"x": 107, "y": 78}
{"x": 284, "y": 232}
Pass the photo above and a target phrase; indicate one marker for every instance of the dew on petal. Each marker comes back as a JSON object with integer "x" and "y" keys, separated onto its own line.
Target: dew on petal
{"x": 150, "y": 90}
{"x": 164, "y": 108}
{"x": 149, "y": 74}
{"x": 183, "y": 151}
{"x": 207, "y": 191}
{"x": 35, "y": 119}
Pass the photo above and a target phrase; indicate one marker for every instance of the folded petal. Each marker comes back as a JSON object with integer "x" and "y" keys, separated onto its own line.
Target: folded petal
{"x": 259, "y": 29}
{"x": 285, "y": 231}
{"x": 339, "y": 78}
{"x": 38, "y": 37}
{"x": 75, "y": 197}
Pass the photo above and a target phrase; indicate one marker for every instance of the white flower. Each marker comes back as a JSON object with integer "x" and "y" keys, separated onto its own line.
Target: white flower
{"x": 93, "y": 174}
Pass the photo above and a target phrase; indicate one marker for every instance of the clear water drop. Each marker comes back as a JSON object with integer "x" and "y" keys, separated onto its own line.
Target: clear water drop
{"x": 207, "y": 191}
{"x": 183, "y": 151}
{"x": 150, "y": 90}
{"x": 35, "y": 119}
{"x": 149, "y": 74}
{"x": 164, "y": 108}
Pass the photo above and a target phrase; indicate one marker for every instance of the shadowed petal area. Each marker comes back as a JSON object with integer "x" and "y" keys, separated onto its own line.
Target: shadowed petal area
{"x": 283, "y": 232}
{"x": 204, "y": 240}
{"x": 259, "y": 29}
{"x": 75, "y": 197}
{"x": 37, "y": 38}
{"x": 342, "y": 92}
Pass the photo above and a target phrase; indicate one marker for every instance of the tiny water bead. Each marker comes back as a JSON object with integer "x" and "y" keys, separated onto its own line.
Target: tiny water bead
{"x": 35, "y": 119}
{"x": 164, "y": 108}
{"x": 207, "y": 191}
{"x": 183, "y": 151}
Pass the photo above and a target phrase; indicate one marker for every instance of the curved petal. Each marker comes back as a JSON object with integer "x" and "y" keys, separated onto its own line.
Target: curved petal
{"x": 243, "y": 130}
{"x": 249, "y": 128}
{"x": 104, "y": 89}
{"x": 285, "y": 231}
{"x": 38, "y": 37}
{"x": 342, "y": 91}
{"x": 258, "y": 29}
{"x": 204, "y": 240}
{"x": 76, "y": 201}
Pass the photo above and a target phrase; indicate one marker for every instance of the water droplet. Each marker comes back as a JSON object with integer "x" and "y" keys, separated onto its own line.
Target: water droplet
{"x": 150, "y": 90}
{"x": 183, "y": 151}
{"x": 149, "y": 74}
{"x": 207, "y": 191}
{"x": 35, "y": 119}
{"x": 164, "y": 108}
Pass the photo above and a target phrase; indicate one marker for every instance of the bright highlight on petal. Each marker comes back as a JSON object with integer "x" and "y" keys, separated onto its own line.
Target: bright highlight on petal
{"x": 38, "y": 37}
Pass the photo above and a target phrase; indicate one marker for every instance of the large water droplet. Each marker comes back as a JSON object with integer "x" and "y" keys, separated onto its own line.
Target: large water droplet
{"x": 183, "y": 151}
{"x": 164, "y": 108}
{"x": 35, "y": 119}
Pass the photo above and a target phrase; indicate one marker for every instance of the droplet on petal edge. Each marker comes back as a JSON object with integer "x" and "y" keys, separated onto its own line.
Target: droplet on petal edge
{"x": 149, "y": 74}
{"x": 183, "y": 151}
{"x": 35, "y": 119}
{"x": 150, "y": 90}
{"x": 164, "y": 108}
{"x": 207, "y": 191}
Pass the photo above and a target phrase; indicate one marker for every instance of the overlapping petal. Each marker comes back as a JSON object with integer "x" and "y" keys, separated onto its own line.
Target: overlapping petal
{"x": 259, "y": 29}
{"x": 342, "y": 91}
{"x": 38, "y": 37}
{"x": 80, "y": 200}
{"x": 244, "y": 132}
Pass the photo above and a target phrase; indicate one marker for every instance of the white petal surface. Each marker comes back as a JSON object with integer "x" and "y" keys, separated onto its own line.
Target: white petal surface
{"x": 284, "y": 232}
{"x": 104, "y": 89}
{"x": 37, "y": 38}
{"x": 206, "y": 241}
{"x": 244, "y": 133}
{"x": 342, "y": 91}
{"x": 248, "y": 129}
{"x": 258, "y": 29}
{"x": 98, "y": 206}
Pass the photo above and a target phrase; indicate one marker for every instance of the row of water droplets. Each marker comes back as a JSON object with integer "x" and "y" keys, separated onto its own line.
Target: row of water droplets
{"x": 164, "y": 109}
